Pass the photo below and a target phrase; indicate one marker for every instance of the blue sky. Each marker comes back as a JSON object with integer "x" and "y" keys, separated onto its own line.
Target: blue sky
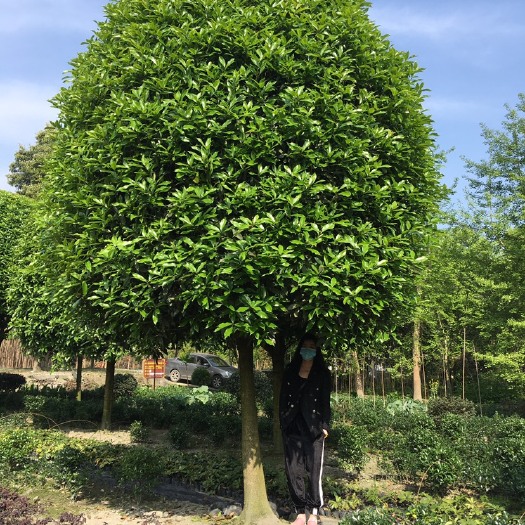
{"x": 471, "y": 50}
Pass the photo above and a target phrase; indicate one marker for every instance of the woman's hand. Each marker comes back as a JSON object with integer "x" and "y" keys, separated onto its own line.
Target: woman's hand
{"x": 325, "y": 432}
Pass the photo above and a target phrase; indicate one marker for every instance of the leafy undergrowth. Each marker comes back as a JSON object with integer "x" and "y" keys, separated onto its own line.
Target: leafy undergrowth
{"x": 16, "y": 509}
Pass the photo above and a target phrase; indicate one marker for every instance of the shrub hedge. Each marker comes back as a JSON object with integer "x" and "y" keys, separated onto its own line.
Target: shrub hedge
{"x": 446, "y": 448}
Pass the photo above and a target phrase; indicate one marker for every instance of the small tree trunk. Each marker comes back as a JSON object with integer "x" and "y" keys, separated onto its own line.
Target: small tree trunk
{"x": 256, "y": 509}
{"x": 447, "y": 384}
{"x": 374, "y": 381}
{"x": 360, "y": 391}
{"x": 477, "y": 377}
{"x": 383, "y": 384}
{"x": 402, "y": 384}
{"x": 108, "y": 395}
{"x": 424, "y": 375}
{"x": 464, "y": 361}
{"x": 416, "y": 360}
{"x": 78, "y": 385}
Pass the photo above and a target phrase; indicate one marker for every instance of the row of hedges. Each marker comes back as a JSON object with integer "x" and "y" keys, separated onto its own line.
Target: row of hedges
{"x": 440, "y": 447}
{"x": 40, "y": 455}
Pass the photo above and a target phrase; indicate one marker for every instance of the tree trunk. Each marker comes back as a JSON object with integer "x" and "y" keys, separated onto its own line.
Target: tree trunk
{"x": 416, "y": 359}
{"x": 78, "y": 385}
{"x": 464, "y": 362}
{"x": 477, "y": 377}
{"x": 360, "y": 391}
{"x": 108, "y": 395}
{"x": 383, "y": 384}
{"x": 256, "y": 509}
{"x": 447, "y": 384}
{"x": 424, "y": 374}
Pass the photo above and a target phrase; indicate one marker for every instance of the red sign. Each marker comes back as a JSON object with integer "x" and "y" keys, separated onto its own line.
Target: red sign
{"x": 152, "y": 368}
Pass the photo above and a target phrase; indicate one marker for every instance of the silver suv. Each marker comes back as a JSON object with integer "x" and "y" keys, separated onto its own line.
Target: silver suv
{"x": 217, "y": 367}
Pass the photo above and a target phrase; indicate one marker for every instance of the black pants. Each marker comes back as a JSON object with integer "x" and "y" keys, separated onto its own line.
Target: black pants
{"x": 303, "y": 460}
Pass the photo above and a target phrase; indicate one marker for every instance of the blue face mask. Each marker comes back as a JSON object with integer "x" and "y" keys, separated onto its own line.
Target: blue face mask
{"x": 307, "y": 353}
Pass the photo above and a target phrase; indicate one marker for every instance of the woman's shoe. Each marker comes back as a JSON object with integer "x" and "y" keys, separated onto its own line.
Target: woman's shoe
{"x": 300, "y": 520}
{"x": 312, "y": 520}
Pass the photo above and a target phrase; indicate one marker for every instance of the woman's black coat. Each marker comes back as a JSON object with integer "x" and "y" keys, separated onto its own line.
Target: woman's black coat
{"x": 311, "y": 397}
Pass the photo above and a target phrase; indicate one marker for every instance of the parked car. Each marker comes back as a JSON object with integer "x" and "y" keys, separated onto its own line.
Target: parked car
{"x": 177, "y": 369}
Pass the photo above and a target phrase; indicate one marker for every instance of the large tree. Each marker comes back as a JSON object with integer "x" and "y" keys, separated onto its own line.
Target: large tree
{"x": 28, "y": 170}
{"x": 229, "y": 168}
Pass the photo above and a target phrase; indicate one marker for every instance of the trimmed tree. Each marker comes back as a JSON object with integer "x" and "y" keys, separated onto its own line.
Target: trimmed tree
{"x": 45, "y": 320}
{"x": 227, "y": 168}
{"x": 14, "y": 211}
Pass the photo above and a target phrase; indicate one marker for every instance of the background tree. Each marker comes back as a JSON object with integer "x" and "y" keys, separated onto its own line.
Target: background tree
{"x": 471, "y": 306}
{"x": 27, "y": 171}
{"x": 497, "y": 185}
{"x": 47, "y": 322}
{"x": 222, "y": 167}
{"x": 14, "y": 210}
{"x": 498, "y": 213}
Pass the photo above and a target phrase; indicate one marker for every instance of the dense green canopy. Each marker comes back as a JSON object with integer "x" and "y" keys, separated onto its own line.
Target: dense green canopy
{"x": 229, "y": 164}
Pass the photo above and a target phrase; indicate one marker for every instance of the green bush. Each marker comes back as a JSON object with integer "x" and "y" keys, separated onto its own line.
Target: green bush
{"x": 509, "y": 456}
{"x": 406, "y": 421}
{"x": 138, "y": 432}
{"x": 69, "y": 467}
{"x": 179, "y": 436}
{"x": 139, "y": 468}
{"x": 405, "y": 406}
{"x": 11, "y": 382}
{"x": 370, "y": 517}
{"x": 364, "y": 413}
{"x": 265, "y": 425}
{"x": 350, "y": 441}
{"x": 48, "y": 412}
{"x": 452, "y": 426}
{"x": 197, "y": 419}
{"x": 201, "y": 377}
{"x": 11, "y": 401}
{"x": 439, "y": 406}
{"x": 87, "y": 413}
{"x": 262, "y": 383}
{"x": 94, "y": 394}
{"x": 125, "y": 385}
{"x": 17, "y": 447}
{"x": 440, "y": 467}
{"x": 384, "y": 439}
{"x": 224, "y": 404}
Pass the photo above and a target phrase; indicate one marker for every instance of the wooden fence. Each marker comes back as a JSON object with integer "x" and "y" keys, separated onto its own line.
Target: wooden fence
{"x": 12, "y": 356}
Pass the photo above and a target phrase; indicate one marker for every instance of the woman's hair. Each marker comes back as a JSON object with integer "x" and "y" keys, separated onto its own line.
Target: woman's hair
{"x": 318, "y": 359}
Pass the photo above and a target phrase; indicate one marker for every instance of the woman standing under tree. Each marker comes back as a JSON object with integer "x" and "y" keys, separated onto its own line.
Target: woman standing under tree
{"x": 304, "y": 413}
